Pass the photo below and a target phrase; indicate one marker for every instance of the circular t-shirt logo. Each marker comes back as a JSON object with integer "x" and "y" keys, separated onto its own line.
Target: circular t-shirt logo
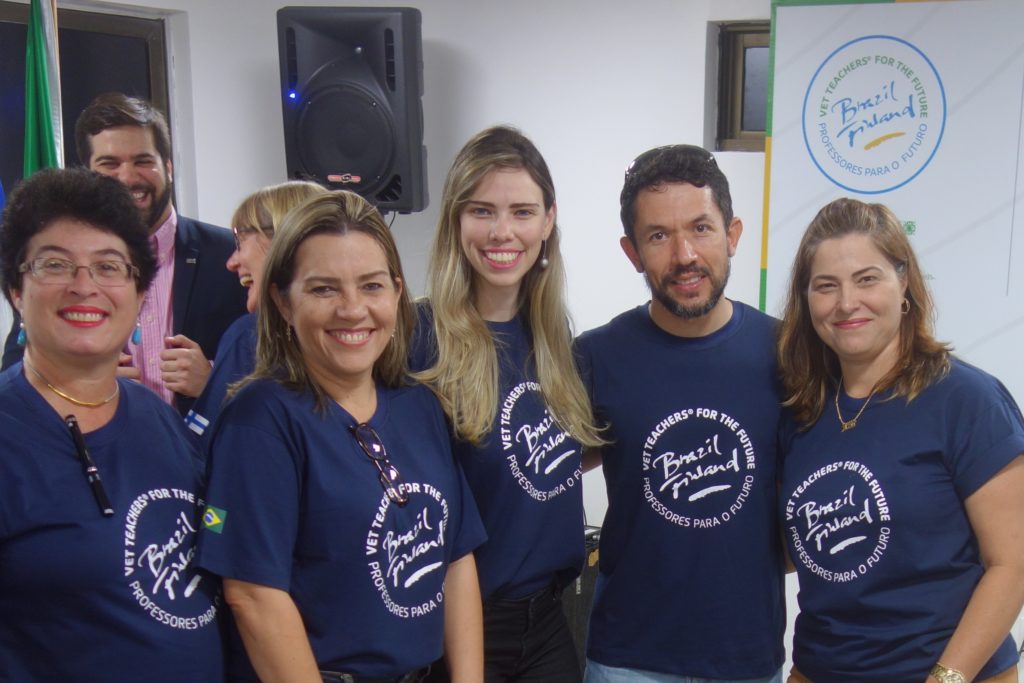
{"x": 837, "y": 521}
{"x": 542, "y": 458}
{"x": 698, "y": 468}
{"x": 159, "y": 546}
{"x": 874, "y": 114}
{"x": 406, "y": 557}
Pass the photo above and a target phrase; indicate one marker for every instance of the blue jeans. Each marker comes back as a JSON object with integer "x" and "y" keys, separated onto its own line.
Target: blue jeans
{"x": 599, "y": 673}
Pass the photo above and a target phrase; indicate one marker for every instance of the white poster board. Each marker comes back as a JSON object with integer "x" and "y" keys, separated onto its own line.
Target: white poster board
{"x": 918, "y": 106}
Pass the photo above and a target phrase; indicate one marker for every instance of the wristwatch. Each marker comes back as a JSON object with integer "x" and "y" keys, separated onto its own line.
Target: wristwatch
{"x": 943, "y": 674}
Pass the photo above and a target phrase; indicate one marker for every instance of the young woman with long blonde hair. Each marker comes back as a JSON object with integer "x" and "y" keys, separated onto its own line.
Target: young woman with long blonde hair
{"x": 494, "y": 344}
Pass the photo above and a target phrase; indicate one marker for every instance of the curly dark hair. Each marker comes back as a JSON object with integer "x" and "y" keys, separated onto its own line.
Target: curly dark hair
{"x": 673, "y": 164}
{"x": 79, "y": 194}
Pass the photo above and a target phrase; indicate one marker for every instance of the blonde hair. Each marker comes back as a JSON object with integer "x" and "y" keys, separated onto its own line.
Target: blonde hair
{"x": 265, "y": 208}
{"x": 278, "y": 357}
{"x": 807, "y": 366}
{"x": 465, "y": 376}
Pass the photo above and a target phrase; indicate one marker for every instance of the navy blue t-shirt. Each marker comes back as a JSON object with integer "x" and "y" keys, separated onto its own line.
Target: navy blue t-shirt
{"x": 875, "y": 523}
{"x": 690, "y": 579}
{"x": 526, "y": 477}
{"x": 236, "y": 358}
{"x": 85, "y": 597}
{"x": 296, "y": 504}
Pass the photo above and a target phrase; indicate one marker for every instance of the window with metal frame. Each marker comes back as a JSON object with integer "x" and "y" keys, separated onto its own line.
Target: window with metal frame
{"x": 742, "y": 85}
{"x": 99, "y": 52}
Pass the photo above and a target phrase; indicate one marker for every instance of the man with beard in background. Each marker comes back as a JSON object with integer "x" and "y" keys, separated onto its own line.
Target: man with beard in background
{"x": 194, "y": 298}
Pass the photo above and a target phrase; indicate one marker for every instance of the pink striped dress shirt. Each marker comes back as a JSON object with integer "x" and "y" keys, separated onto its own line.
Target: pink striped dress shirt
{"x": 156, "y": 317}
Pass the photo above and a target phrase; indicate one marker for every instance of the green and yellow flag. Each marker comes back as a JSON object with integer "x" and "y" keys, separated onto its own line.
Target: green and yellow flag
{"x": 213, "y": 519}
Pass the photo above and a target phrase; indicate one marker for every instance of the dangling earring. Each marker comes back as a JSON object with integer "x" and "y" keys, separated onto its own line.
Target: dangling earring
{"x": 137, "y": 334}
{"x": 905, "y": 306}
{"x": 288, "y": 333}
{"x": 22, "y": 337}
{"x": 544, "y": 262}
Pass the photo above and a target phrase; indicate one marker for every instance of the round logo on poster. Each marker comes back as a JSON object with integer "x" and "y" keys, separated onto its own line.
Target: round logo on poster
{"x": 874, "y": 114}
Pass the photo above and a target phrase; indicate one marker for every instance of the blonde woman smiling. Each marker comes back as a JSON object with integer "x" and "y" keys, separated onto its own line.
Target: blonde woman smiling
{"x": 493, "y": 342}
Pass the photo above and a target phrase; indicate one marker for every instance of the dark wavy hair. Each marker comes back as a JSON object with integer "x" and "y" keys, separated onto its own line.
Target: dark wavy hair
{"x": 673, "y": 164}
{"x": 114, "y": 109}
{"x": 79, "y": 194}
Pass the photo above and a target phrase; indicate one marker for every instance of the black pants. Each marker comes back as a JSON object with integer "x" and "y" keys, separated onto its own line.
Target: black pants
{"x": 525, "y": 641}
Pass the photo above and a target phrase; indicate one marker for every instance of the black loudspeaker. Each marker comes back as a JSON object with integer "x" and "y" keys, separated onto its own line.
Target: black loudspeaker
{"x": 352, "y": 82}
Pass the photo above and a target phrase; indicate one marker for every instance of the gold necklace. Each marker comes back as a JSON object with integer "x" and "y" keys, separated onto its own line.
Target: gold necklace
{"x": 72, "y": 399}
{"x": 850, "y": 424}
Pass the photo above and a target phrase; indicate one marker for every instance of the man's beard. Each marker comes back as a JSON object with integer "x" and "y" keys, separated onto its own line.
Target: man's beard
{"x": 680, "y": 310}
{"x": 157, "y": 208}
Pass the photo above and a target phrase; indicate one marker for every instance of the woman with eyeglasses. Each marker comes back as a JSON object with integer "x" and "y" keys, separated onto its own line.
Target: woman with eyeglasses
{"x": 337, "y": 518}
{"x": 99, "y": 502}
{"x": 902, "y": 492}
{"x": 494, "y": 343}
{"x": 254, "y": 223}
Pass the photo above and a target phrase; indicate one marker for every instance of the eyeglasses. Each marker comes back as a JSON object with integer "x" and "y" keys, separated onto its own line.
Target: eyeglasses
{"x": 387, "y": 474}
{"x": 678, "y": 153}
{"x": 58, "y": 271}
{"x": 246, "y": 231}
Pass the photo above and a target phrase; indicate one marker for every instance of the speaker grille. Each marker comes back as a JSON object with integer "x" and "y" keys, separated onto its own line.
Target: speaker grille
{"x": 389, "y": 59}
{"x": 392, "y": 192}
{"x": 346, "y": 138}
{"x": 292, "y": 65}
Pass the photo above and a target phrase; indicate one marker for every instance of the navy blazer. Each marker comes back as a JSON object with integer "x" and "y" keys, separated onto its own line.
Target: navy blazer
{"x": 205, "y": 296}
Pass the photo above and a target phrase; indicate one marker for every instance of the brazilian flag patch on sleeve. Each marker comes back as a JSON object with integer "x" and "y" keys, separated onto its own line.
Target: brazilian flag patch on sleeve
{"x": 213, "y": 519}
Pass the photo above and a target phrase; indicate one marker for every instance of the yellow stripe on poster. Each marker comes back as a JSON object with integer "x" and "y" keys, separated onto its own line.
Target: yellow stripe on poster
{"x": 764, "y": 222}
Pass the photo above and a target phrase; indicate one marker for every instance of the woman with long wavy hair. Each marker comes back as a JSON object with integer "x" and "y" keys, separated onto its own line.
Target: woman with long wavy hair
{"x": 494, "y": 343}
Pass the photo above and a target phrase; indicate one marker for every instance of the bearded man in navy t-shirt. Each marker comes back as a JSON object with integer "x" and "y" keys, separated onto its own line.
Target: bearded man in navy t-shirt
{"x": 690, "y": 582}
